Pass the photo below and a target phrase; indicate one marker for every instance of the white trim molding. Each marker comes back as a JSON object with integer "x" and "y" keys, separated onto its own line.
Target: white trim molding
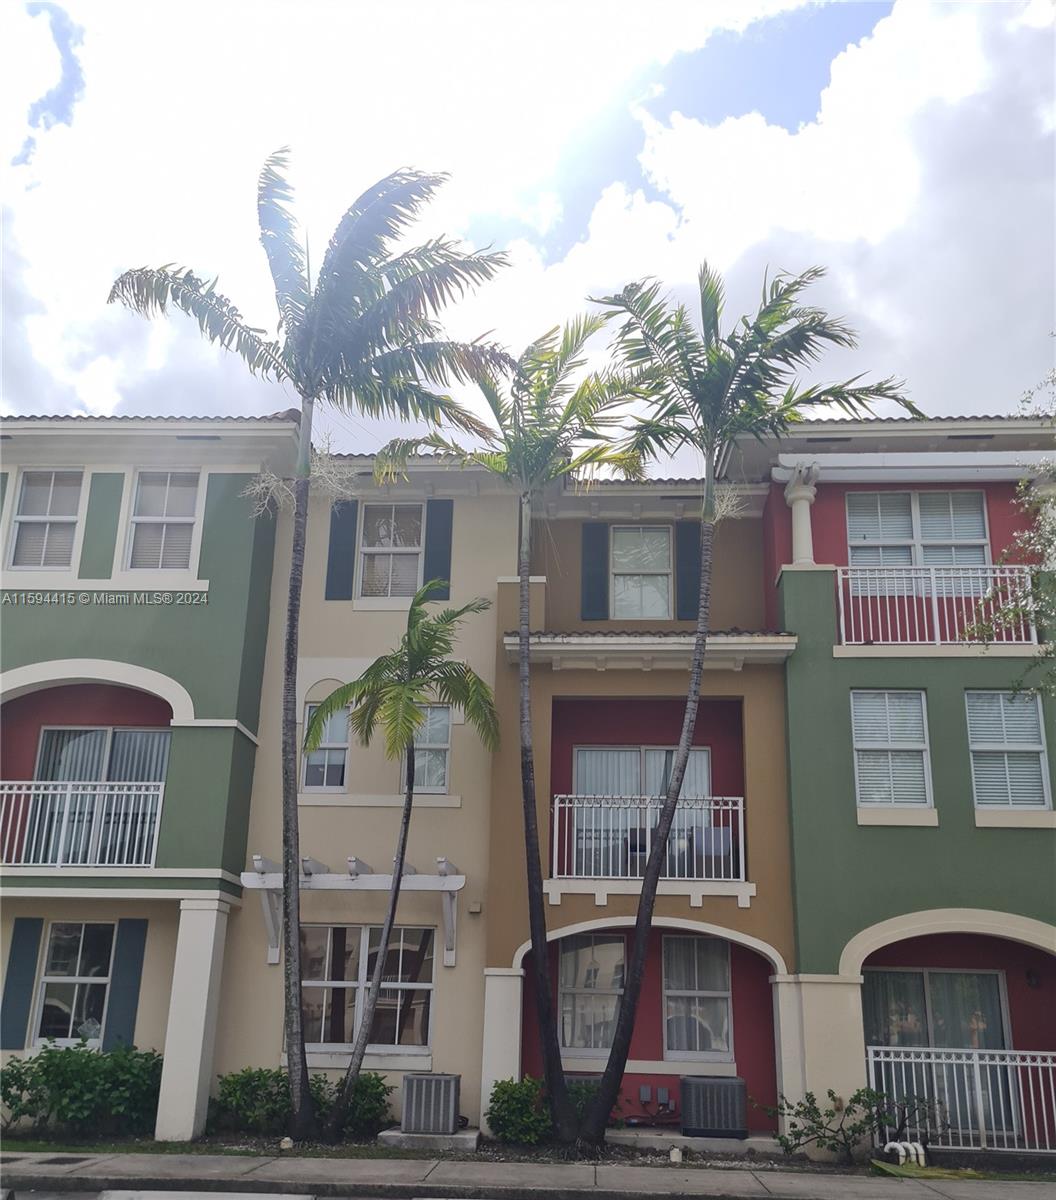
{"x": 57, "y": 671}
{"x": 771, "y": 953}
{"x": 897, "y": 815}
{"x": 602, "y": 889}
{"x": 930, "y": 650}
{"x": 915, "y": 466}
{"x": 984, "y": 921}
{"x": 1015, "y": 818}
{"x": 645, "y": 652}
{"x": 339, "y": 799}
{"x": 74, "y": 875}
{"x": 217, "y": 723}
{"x": 649, "y": 1066}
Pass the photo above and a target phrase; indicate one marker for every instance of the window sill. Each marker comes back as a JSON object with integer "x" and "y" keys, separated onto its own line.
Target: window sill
{"x": 323, "y": 799}
{"x": 898, "y": 816}
{"x": 382, "y": 603}
{"x": 337, "y": 1060}
{"x": 643, "y": 1066}
{"x": 1013, "y": 818}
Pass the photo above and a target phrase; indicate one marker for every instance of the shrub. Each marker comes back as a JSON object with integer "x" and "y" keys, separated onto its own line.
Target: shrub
{"x": 518, "y": 1113}
{"x": 257, "y": 1100}
{"x": 369, "y": 1109}
{"x": 78, "y": 1090}
{"x": 840, "y": 1128}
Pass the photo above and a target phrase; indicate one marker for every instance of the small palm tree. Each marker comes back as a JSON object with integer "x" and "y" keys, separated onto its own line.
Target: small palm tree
{"x": 390, "y": 694}
{"x": 705, "y": 389}
{"x": 555, "y": 423}
{"x": 363, "y": 338}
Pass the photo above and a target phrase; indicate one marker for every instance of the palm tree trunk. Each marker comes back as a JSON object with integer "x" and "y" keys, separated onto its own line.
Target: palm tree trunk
{"x": 593, "y": 1131}
{"x": 560, "y": 1105}
{"x": 302, "y": 1119}
{"x": 338, "y": 1115}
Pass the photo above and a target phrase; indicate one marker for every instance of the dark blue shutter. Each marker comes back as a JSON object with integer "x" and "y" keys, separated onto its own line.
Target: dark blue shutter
{"x": 341, "y": 558}
{"x": 687, "y": 570}
{"x": 125, "y": 974}
{"x": 21, "y": 978}
{"x": 439, "y": 518}
{"x": 594, "y": 585}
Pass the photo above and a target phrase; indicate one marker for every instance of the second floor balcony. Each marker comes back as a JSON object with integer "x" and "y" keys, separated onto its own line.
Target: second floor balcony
{"x": 935, "y": 605}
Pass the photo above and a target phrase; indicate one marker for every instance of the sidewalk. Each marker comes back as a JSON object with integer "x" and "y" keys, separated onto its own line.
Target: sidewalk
{"x": 409, "y": 1178}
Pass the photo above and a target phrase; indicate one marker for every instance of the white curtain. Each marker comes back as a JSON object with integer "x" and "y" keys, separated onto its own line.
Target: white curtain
{"x": 894, "y": 1008}
{"x": 966, "y": 1010}
{"x": 608, "y": 773}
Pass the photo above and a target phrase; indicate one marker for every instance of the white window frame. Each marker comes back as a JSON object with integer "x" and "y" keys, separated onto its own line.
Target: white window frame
{"x": 917, "y": 542}
{"x": 77, "y": 520}
{"x": 345, "y": 746}
{"x": 388, "y": 601}
{"x": 669, "y": 573}
{"x": 131, "y": 521}
{"x": 1038, "y": 748}
{"x": 360, "y": 985}
{"x": 446, "y": 747}
{"x": 600, "y": 1052}
{"x": 889, "y": 747}
{"x": 109, "y": 730}
{"x": 665, "y": 991}
{"x": 641, "y": 748}
{"x": 43, "y": 979}
{"x": 929, "y": 971}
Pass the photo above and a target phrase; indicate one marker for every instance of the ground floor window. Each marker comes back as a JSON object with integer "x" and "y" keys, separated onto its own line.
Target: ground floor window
{"x": 337, "y": 963}
{"x": 697, "y": 1010}
{"x": 963, "y": 1010}
{"x": 75, "y": 982}
{"x": 590, "y": 980}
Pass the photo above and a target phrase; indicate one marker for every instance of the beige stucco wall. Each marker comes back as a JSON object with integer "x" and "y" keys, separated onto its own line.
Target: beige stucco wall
{"x": 163, "y": 918}
{"x": 338, "y": 639}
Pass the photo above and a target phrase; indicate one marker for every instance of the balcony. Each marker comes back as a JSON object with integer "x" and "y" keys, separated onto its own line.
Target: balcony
{"x": 610, "y": 838}
{"x": 79, "y": 824}
{"x": 971, "y": 1099}
{"x": 933, "y": 606}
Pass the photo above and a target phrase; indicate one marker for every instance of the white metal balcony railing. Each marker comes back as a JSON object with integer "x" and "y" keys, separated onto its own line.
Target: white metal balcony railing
{"x": 79, "y": 824}
{"x": 889, "y": 606}
{"x": 610, "y": 837}
{"x": 971, "y": 1099}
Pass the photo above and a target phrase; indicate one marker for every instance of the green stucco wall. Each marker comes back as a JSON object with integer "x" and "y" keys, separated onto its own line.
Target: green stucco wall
{"x": 99, "y": 546}
{"x": 847, "y": 877}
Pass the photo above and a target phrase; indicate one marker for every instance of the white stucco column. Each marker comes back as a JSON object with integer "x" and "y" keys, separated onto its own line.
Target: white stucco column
{"x": 501, "y": 1058}
{"x": 799, "y": 496}
{"x": 819, "y": 1034}
{"x": 191, "y": 1031}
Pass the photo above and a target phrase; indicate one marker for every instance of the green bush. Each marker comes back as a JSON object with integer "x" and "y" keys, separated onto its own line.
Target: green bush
{"x": 517, "y": 1112}
{"x": 257, "y": 1100}
{"x": 842, "y": 1128}
{"x": 77, "y": 1090}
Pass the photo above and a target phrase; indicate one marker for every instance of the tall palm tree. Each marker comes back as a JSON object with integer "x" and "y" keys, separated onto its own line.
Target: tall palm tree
{"x": 705, "y": 389}
{"x": 365, "y": 337}
{"x": 555, "y": 423}
{"x": 391, "y": 693}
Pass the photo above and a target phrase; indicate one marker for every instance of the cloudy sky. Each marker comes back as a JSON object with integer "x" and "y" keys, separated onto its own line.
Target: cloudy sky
{"x": 907, "y": 147}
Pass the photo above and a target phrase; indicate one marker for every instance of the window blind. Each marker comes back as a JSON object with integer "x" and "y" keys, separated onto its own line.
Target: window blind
{"x": 1007, "y": 749}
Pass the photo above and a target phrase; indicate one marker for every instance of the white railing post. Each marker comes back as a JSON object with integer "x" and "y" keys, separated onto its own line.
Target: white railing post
{"x": 60, "y": 849}
{"x": 980, "y": 1110}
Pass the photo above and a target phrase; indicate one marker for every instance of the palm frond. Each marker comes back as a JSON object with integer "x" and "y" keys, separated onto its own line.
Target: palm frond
{"x": 150, "y": 291}
{"x": 278, "y": 236}
{"x": 712, "y": 299}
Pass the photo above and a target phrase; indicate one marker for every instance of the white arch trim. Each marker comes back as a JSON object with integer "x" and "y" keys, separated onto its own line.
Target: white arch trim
{"x": 945, "y": 920}
{"x": 774, "y": 956}
{"x": 35, "y": 676}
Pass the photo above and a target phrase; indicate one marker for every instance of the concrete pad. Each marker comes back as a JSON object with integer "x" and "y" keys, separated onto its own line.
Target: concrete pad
{"x": 979, "y": 1189}
{"x": 167, "y": 1166}
{"x": 661, "y": 1181}
{"x": 810, "y": 1186}
{"x": 55, "y": 1164}
{"x": 522, "y": 1176}
{"x": 350, "y": 1172}
{"x": 465, "y": 1140}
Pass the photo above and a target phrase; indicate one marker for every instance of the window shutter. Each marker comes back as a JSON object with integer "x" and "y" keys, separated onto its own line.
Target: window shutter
{"x": 341, "y": 557}
{"x": 879, "y": 516}
{"x": 594, "y": 580}
{"x": 125, "y": 974}
{"x": 439, "y": 519}
{"x": 687, "y": 569}
{"x": 18, "y": 986}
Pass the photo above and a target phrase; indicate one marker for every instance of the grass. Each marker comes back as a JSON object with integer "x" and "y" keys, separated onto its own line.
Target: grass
{"x": 912, "y": 1171}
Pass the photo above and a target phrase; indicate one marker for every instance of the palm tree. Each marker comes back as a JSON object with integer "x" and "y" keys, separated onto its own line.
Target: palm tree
{"x": 548, "y": 428}
{"x": 391, "y": 693}
{"x": 705, "y": 389}
{"x": 365, "y": 338}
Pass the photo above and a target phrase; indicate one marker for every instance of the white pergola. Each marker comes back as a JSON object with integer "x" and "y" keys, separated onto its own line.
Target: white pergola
{"x": 266, "y": 878}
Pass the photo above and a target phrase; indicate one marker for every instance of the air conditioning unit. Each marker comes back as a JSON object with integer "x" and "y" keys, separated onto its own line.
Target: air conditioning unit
{"x": 430, "y": 1103}
{"x": 714, "y": 1106}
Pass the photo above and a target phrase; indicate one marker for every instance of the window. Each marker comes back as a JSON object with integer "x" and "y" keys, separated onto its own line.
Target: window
{"x": 390, "y": 550}
{"x": 46, "y": 519}
{"x": 1009, "y": 768}
{"x": 890, "y": 748}
{"x": 697, "y": 1021}
{"x": 432, "y": 745}
{"x": 338, "y": 962}
{"x": 325, "y": 766}
{"x": 641, "y": 572}
{"x": 163, "y": 520}
{"x": 75, "y": 982}
{"x": 639, "y": 771}
{"x": 590, "y": 977}
{"x": 950, "y": 1009}
{"x": 923, "y": 529}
